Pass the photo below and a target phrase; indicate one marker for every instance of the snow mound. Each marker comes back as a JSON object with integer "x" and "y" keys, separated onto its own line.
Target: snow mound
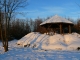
{"x": 56, "y": 38}
{"x": 69, "y": 38}
{"x": 39, "y": 40}
{"x": 21, "y": 41}
{"x": 57, "y": 46}
{"x": 55, "y": 42}
{"x": 74, "y": 46}
{"x": 76, "y": 34}
{"x": 31, "y": 39}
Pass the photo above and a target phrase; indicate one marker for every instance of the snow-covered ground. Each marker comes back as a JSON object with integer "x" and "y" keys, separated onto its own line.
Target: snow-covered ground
{"x": 56, "y": 47}
{"x": 26, "y": 53}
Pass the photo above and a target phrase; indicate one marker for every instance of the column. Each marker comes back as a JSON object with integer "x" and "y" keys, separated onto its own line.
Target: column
{"x": 60, "y": 28}
{"x": 69, "y": 29}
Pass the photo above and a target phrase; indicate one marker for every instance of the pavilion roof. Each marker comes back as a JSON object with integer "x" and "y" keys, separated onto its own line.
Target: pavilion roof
{"x": 56, "y": 19}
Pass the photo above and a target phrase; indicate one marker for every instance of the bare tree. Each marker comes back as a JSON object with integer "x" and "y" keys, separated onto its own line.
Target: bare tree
{"x": 9, "y": 7}
{"x": 37, "y": 24}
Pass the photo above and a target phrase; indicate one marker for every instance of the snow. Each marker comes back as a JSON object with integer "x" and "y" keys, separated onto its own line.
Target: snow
{"x": 25, "y": 53}
{"x": 56, "y": 19}
{"x": 74, "y": 46}
{"x": 32, "y": 38}
{"x": 55, "y": 42}
{"x": 43, "y": 47}
{"x": 56, "y": 46}
{"x": 39, "y": 40}
{"x": 69, "y": 38}
{"x": 56, "y": 38}
{"x": 24, "y": 38}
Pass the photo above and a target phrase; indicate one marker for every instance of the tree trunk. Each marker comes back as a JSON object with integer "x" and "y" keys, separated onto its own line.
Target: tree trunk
{"x": 1, "y": 28}
{"x": 6, "y": 29}
{"x": 5, "y": 48}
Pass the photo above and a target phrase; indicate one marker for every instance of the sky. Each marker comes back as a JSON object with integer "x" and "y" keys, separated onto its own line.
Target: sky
{"x": 48, "y": 8}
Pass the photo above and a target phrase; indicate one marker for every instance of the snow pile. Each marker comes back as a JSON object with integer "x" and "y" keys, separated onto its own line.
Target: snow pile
{"x": 76, "y": 34}
{"x": 74, "y": 46}
{"x": 55, "y": 42}
{"x": 21, "y": 41}
{"x": 27, "y": 39}
{"x": 69, "y": 39}
{"x": 56, "y": 38}
{"x": 31, "y": 39}
{"x": 39, "y": 40}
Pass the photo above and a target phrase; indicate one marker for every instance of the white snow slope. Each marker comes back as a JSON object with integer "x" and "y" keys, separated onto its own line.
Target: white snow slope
{"x": 55, "y": 42}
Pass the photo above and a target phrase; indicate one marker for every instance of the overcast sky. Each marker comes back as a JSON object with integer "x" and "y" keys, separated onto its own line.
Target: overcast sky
{"x": 45, "y": 8}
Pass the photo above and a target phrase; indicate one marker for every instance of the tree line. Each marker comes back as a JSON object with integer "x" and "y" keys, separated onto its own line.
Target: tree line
{"x": 20, "y": 27}
{"x": 76, "y": 27}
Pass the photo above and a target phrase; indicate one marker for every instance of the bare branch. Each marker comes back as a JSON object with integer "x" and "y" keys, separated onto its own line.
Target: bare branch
{"x": 77, "y": 4}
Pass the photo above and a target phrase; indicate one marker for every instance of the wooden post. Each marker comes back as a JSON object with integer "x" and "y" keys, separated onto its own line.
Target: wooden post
{"x": 69, "y": 29}
{"x": 54, "y": 31}
{"x": 63, "y": 31}
{"x": 60, "y": 28}
{"x": 46, "y": 30}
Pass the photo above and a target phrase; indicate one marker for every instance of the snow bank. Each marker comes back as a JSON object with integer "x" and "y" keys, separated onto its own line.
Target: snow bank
{"x": 57, "y": 46}
{"x": 55, "y": 42}
{"x": 21, "y": 41}
{"x": 69, "y": 38}
{"x": 76, "y": 34}
{"x": 56, "y": 38}
{"x": 41, "y": 39}
{"x": 74, "y": 46}
{"x": 32, "y": 39}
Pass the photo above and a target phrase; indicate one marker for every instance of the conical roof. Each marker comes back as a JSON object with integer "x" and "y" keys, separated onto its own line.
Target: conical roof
{"x": 56, "y": 19}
